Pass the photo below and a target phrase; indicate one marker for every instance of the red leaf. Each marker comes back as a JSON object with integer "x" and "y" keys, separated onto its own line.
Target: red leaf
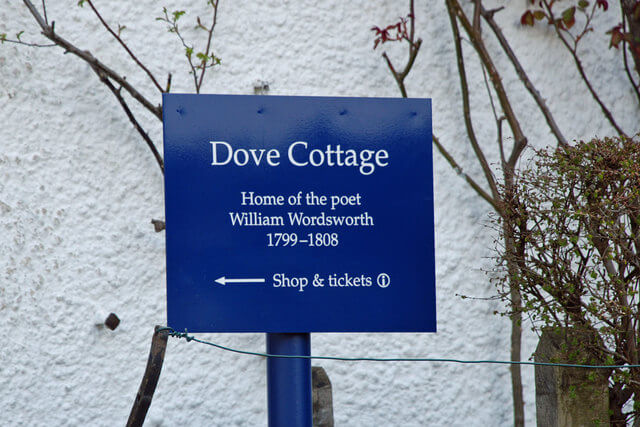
{"x": 604, "y": 4}
{"x": 570, "y": 23}
{"x": 527, "y": 18}
{"x": 616, "y": 36}
{"x": 392, "y": 32}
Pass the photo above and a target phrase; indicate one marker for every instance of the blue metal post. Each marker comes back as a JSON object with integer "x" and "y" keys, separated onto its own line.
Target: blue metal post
{"x": 289, "y": 381}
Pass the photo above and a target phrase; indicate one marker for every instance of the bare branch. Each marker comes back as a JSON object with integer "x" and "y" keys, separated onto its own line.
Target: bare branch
{"x": 20, "y": 42}
{"x": 628, "y": 8}
{"x": 520, "y": 140}
{"x": 412, "y": 30}
{"x": 44, "y": 11}
{"x": 477, "y": 7}
{"x": 168, "y": 83}
{"x": 578, "y": 63}
{"x": 399, "y": 81}
{"x": 636, "y": 87}
{"x": 413, "y": 52}
{"x": 48, "y": 32}
{"x": 399, "y": 77}
{"x": 498, "y": 120}
{"x": 488, "y": 17}
{"x": 214, "y": 4}
{"x": 116, "y": 92}
{"x": 41, "y": 22}
{"x": 124, "y": 45}
{"x": 456, "y": 167}
{"x": 414, "y": 47}
{"x": 150, "y": 378}
{"x": 491, "y": 181}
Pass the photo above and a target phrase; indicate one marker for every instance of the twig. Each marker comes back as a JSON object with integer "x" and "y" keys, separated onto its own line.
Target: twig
{"x": 488, "y": 17}
{"x": 520, "y": 141}
{"x": 466, "y": 108}
{"x": 500, "y": 141}
{"x": 48, "y": 32}
{"x": 116, "y": 92}
{"x": 188, "y": 49}
{"x": 44, "y": 11}
{"x": 168, "y": 83}
{"x": 633, "y": 26}
{"x": 412, "y": 28}
{"x": 399, "y": 77}
{"x": 124, "y": 45}
{"x": 414, "y": 47}
{"x": 578, "y": 63}
{"x": 498, "y": 120}
{"x": 636, "y": 87}
{"x": 477, "y": 7}
{"x": 456, "y": 167}
{"x": 214, "y": 4}
{"x": 399, "y": 81}
{"x": 26, "y": 43}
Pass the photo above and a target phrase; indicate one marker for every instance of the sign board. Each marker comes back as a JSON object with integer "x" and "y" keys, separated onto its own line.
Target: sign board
{"x": 299, "y": 214}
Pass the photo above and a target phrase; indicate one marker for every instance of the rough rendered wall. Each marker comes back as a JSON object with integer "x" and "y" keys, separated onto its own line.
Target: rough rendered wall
{"x": 78, "y": 189}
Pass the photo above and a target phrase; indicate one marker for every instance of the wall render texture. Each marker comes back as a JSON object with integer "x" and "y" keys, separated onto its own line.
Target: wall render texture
{"x": 78, "y": 189}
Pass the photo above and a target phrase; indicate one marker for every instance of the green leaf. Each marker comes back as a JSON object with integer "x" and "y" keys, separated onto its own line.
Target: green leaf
{"x": 539, "y": 15}
{"x": 19, "y": 34}
{"x": 177, "y": 14}
{"x": 568, "y": 17}
{"x": 189, "y": 52}
{"x": 3, "y": 37}
{"x": 583, "y": 4}
{"x": 81, "y": 3}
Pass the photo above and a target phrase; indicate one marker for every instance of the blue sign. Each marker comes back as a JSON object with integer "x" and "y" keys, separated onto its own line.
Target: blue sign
{"x": 299, "y": 214}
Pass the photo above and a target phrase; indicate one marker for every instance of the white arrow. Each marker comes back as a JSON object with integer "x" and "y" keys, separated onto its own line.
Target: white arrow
{"x": 223, "y": 281}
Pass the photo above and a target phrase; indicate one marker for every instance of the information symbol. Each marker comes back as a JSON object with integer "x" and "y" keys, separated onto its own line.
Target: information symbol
{"x": 384, "y": 280}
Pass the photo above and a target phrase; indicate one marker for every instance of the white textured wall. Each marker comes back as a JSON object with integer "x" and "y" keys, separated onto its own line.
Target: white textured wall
{"x": 78, "y": 189}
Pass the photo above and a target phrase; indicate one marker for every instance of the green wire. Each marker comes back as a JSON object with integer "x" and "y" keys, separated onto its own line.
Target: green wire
{"x": 188, "y": 337}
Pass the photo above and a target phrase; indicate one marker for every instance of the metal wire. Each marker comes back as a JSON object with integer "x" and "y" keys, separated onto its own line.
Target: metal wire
{"x": 188, "y": 338}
